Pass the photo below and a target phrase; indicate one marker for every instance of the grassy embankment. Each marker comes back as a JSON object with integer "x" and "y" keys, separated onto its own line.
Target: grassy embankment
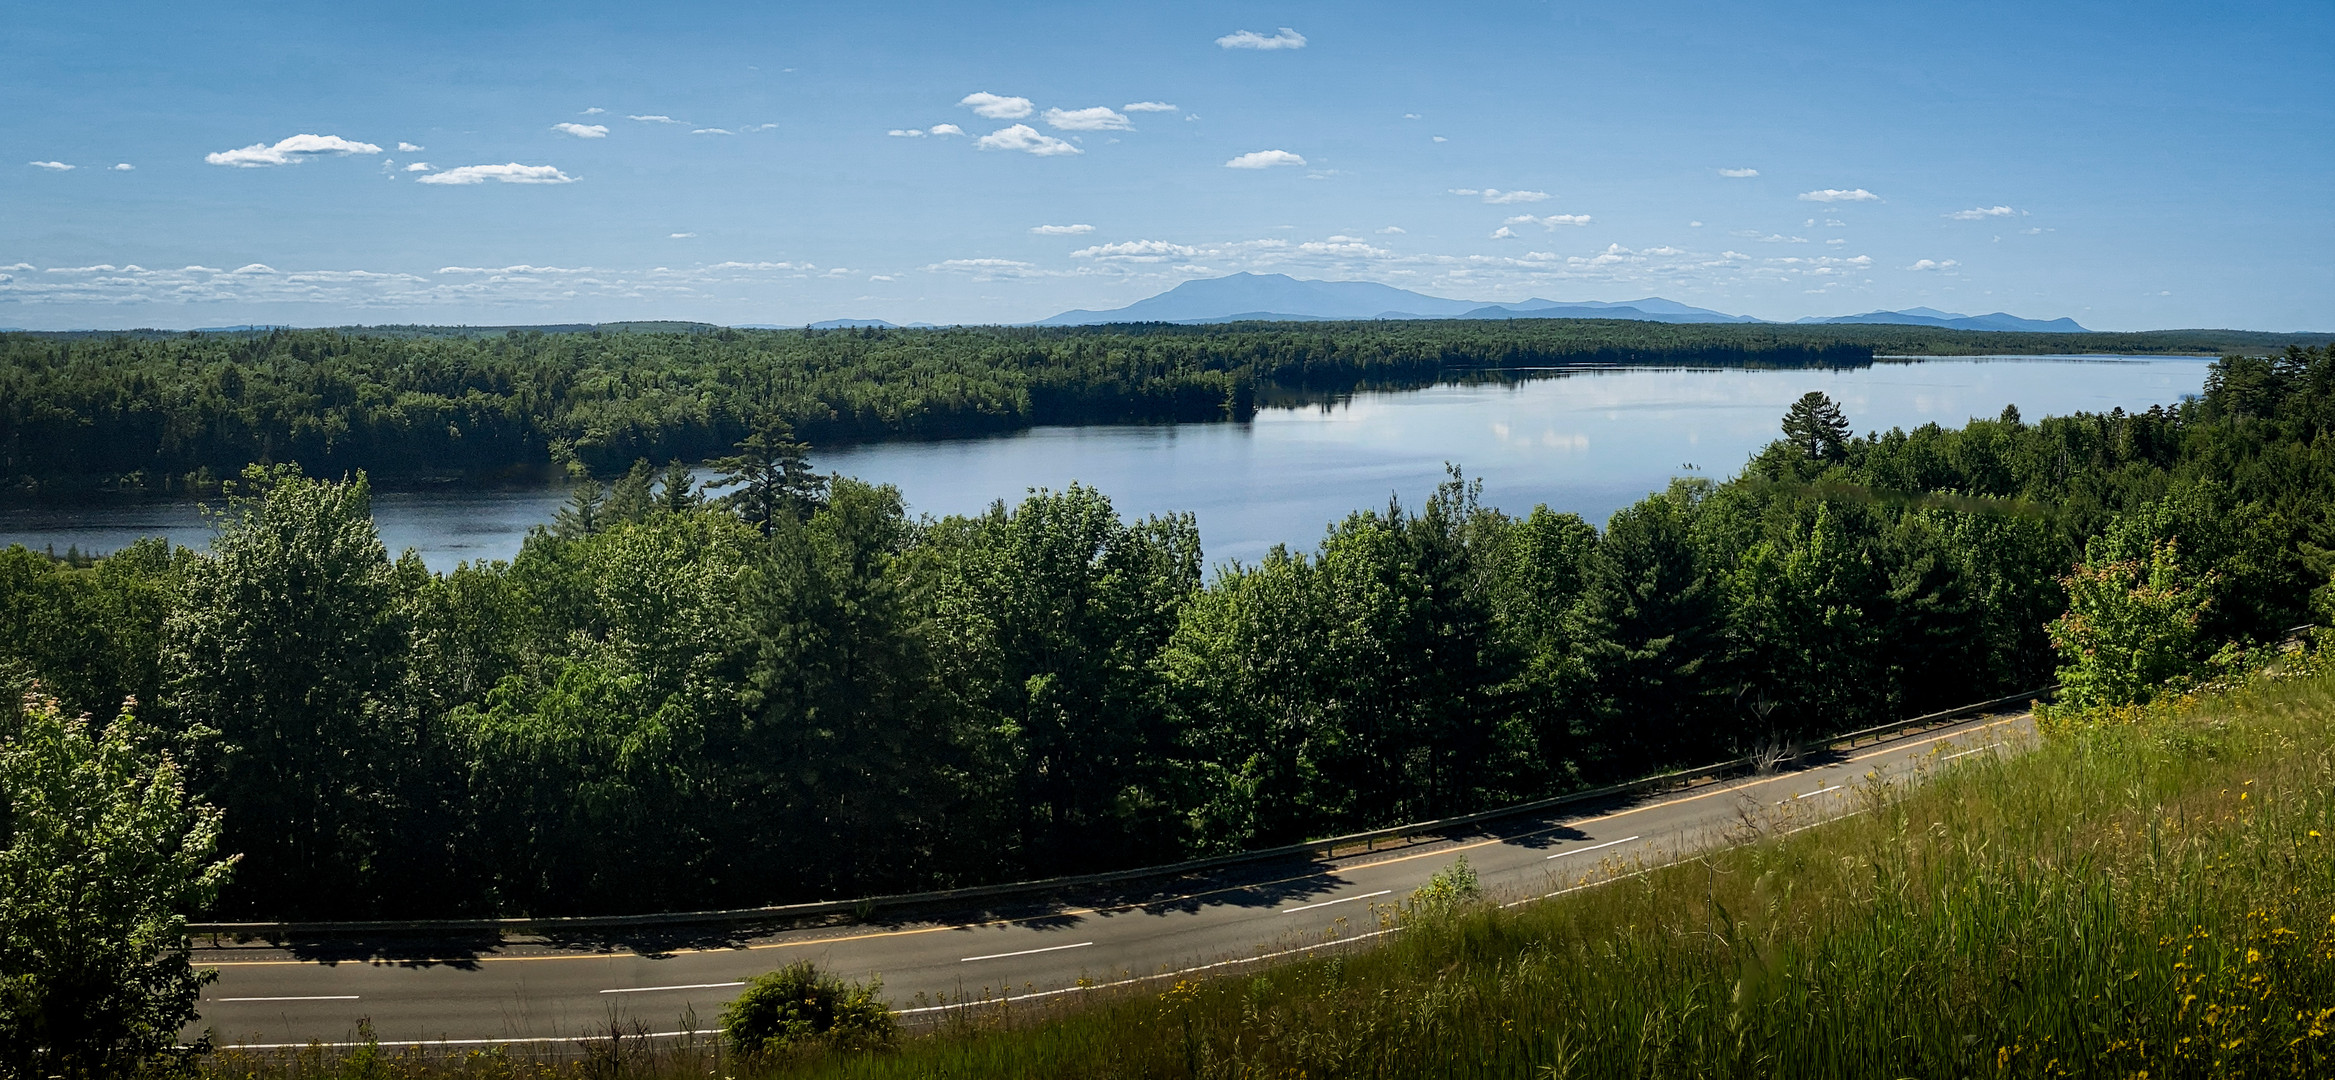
{"x": 2150, "y": 896}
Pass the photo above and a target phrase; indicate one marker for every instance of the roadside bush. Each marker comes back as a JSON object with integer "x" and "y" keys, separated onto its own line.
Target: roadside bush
{"x": 1451, "y": 887}
{"x": 798, "y": 1004}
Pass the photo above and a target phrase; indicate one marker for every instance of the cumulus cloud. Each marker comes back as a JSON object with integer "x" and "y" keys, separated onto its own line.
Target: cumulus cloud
{"x": 124, "y": 166}
{"x": 1148, "y": 106}
{"x": 1264, "y": 159}
{"x": 1549, "y": 221}
{"x": 944, "y": 129}
{"x": 906, "y": 133}
{"x": 1981, "y": 213}
{"x": 762, "y": 266}
{"x": 52, "y": 166}
{"x": 679, "y": 235}
{"x": 1498, "y": 197}
{"x": 1026, "y": 139}
{"x": 1934, "y": 264}
{"x": 1250, "y": 39}
{"x": 996, "y": 106}
{"x": 290, "y": 151}
{"x": 1831, "y": 195}
{"x": 1504, "y": 233}
{"x": 419, "y": 166}
{"x": 1739, "y": 174}
{"x": 1098, "y": 118}
{"x": 1136, "y": 251}
{"x": 654, "y": 118}
{"x": 512, "y": 173}
{"x": 581, "y": 131}
{"x": 1391, "y": 230}
{"x": 984, "y": 269}
{"x": 1062, "y": 230}
{"x": 713, "y": 131}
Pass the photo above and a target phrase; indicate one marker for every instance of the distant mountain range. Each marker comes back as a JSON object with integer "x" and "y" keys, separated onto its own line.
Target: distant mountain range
{"x": 1281, "y": 298}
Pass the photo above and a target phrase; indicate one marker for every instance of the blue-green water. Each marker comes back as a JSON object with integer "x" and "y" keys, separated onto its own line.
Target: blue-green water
{"x": 1589, "y": 442}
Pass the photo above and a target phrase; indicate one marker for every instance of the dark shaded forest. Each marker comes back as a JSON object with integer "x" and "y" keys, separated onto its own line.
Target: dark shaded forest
{"x": 152, "y": 411}
{"x": 801, "y": 690}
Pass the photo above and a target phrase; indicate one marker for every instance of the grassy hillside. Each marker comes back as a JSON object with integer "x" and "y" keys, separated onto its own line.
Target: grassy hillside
{"x": 2152, "y": 893}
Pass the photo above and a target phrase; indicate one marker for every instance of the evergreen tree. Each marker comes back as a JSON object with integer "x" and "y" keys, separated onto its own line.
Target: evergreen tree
{"x": 1817, "y": 427}
{"x": 770, "y": 478}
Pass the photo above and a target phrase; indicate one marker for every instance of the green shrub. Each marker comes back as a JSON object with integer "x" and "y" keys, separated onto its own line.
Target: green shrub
{"x": 799, "y": 1003}
{"x": 1450, "y": 888}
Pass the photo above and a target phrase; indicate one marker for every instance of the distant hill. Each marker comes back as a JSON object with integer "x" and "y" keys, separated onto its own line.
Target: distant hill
{"x": 842, "y": 324}
{"x": 1922, "y": 316}
{"x": 1281, "y": 298}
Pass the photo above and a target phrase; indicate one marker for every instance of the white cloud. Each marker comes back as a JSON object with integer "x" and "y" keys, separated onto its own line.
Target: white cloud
{"x": 513, "y": 173}
{"x": 1061, "y": 230}
{"x": 1739, "y": 174}
{"x": 881, "y": 277}
{"x": 906, "y": 133}
{"x": 52, "y": 166}
{"x": 1982, "y": 213}
{"x": 1098, "y": 118}
{"x": 1830, "y": 195}
{"x": 1026, "y": 139}
{"x": 1498, "y": 197}
{"x": 654, "y": 118}
{"x": 521, "y": 269}
{"x": 759, "y": 127}
{"x": 982, "y": 269}
{"x": 713, "y": 131}
{"x": 1504, "y": 233}
{"x": 679, "y": 235}
{"x": 409, "y": 148}
{"x": 1410, "y": 116}
{"x": 419, "y": 166}
{"x": 581, "y": 131}
{"x": 1933, "y": 264}
{"x": 1148, "y": 106}
{"x": 996, "y": 106}
{"x": 1549, "y": 221}
{"x": 1391, "y": 230}
{"x": 762, "y": 266}
{"x": 1694, "y": 224}
{"x": 1440, "y": 138}
{"x": 1136, "y": 251}
{"x": 944, "y": 129}
{"x": 124, "y": 166}
{"x": 1264, "y": 159}
{"x": 1250, "y": 39}
{"x": 290, "y": 151}
{"x": 594, "y": 111}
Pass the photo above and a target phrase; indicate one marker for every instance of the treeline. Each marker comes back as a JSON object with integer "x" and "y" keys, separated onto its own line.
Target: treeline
{"x": 188, "y": 411}
{"x": 804, "y": 692}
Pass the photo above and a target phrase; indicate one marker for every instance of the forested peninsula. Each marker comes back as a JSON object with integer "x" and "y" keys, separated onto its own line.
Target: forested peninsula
{"x": 804, "y": 691}
{"x": 157, "y": 411}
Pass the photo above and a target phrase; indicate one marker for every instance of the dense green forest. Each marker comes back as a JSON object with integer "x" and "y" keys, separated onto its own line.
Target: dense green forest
{"x": 156, "y": 411}
{"x": 803, "y": 691}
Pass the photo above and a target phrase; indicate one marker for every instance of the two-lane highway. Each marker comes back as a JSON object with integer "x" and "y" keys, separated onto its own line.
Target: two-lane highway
{"x": 538, "y": 992}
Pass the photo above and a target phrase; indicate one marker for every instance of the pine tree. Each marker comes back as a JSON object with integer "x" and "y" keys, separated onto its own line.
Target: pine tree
{"x": 1817, "y": 427}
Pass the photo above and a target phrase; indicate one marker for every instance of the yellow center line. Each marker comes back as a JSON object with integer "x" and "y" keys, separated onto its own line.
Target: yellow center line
{"x": 1135, "y": 906}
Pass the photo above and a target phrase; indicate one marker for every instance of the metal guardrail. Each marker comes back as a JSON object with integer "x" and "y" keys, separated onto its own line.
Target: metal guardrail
{"x": 868, "y": 905}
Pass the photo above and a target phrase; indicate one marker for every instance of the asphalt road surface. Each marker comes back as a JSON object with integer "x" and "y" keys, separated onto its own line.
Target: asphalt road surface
{"x": 452, "y": 992}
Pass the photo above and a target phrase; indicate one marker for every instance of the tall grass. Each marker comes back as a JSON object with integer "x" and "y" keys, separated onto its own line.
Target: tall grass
{"x": 2152, "y": 896}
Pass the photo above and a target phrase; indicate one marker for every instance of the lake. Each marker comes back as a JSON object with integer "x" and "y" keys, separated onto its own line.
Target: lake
{"x": 1585, "y": 441}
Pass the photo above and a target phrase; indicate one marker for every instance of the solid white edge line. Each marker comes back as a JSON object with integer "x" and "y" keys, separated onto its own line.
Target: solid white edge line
{"x": 317, "y": 997}
{"x": 1326, "y": 903}
{"x": 468, "y": 1042}
{"x": 1820, "y": 791}
{"x": 1579, "y": 850}
{"x": 1980, "y": 750}
{"x": 1024, "y": 952}
{"x": 685, "y": 986}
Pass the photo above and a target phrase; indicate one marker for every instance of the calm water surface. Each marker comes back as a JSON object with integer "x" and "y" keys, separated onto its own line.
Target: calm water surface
{"x": 1590, "y": 442}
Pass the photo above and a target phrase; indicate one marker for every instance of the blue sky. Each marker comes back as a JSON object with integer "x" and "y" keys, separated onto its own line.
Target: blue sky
{"x": 2130, "y": 165}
